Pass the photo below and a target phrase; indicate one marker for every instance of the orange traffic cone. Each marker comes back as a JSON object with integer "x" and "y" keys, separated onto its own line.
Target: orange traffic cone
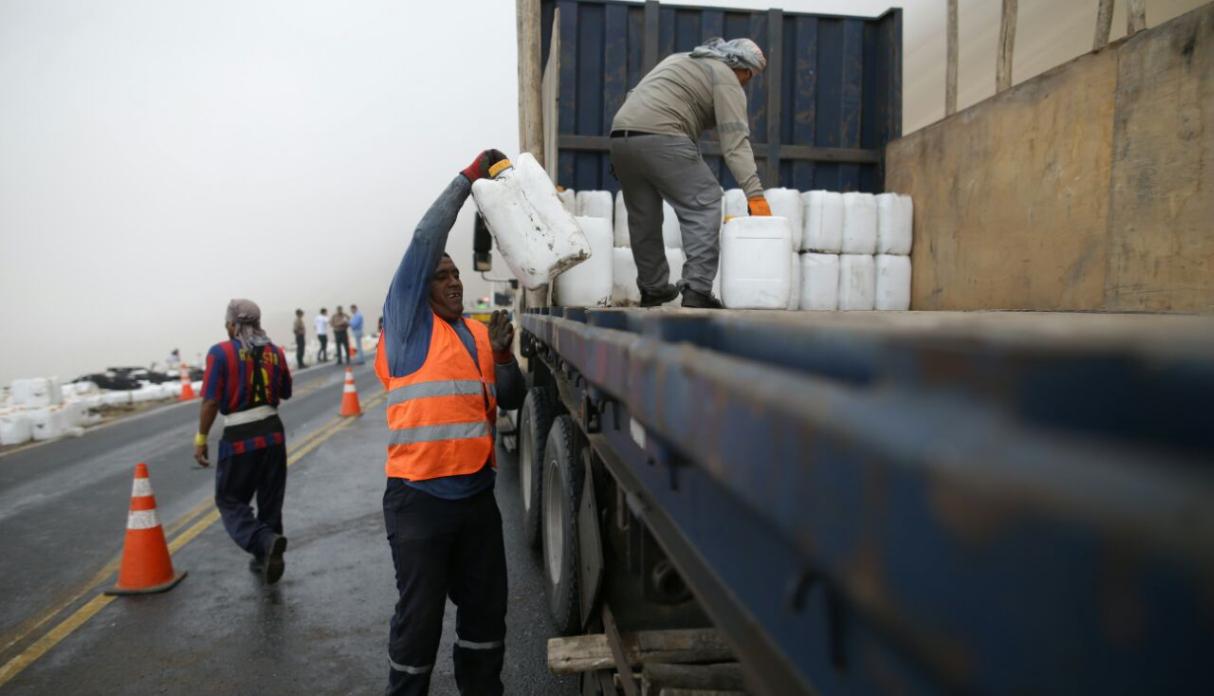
{"x": 187, "y": 389}
{"x": 349, "y": 396}
{"x": 146, "y": 566}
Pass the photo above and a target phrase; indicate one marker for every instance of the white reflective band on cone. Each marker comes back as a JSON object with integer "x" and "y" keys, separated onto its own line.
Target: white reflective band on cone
{"x": 141, "y": 488}
{"x": 470, "y": 645}
{"x": 142, "y": 519}
{"x": 409, "y": 669}
{"x": 349, "y": 387}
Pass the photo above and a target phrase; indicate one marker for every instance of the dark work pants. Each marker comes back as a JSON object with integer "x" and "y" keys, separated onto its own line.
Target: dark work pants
{"x": 341, "y": 346}
{"x": 322, "y": 355}
{"x": 656, "y": 167}
{"x": 262, "y": 472}
{"x": 299, "y": 352}
{"x": 446, "y": 548}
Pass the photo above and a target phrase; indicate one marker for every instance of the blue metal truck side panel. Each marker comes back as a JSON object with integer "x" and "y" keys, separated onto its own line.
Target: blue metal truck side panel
{"x": 832, "y": 83}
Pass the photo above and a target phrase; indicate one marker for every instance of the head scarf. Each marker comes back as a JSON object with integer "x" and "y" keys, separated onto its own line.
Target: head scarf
{"x": 246, "y": 315}
{"x": 737, "y": 53}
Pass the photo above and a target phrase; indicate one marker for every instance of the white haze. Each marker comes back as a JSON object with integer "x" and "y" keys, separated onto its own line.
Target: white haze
{"x": 159, "y": 158}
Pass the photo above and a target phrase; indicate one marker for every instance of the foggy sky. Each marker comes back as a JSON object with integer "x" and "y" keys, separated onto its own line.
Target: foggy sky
{"x": 159, "y": 158}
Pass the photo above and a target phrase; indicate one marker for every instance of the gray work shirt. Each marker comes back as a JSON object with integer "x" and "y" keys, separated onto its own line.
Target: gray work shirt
{"x": 685, "y": 96}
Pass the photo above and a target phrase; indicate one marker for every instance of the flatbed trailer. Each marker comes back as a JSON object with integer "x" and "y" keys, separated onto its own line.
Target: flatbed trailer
{"x": 882, "y": 502}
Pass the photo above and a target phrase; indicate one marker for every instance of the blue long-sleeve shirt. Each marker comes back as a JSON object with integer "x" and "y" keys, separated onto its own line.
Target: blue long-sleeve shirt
{"x": 356, "y": 322}
{"x": 409, "y": 322}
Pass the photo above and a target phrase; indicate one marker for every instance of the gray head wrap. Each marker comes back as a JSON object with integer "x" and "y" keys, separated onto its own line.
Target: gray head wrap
{"x": 246, "y": 315}
{"x": 737, "y": 53}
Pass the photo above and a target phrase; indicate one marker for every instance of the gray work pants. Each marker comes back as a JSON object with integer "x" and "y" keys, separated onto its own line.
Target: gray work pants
{"x": 656, "y": 167}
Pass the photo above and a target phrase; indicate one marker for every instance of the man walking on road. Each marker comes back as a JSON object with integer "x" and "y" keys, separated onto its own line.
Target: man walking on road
{"x": 322, "y": 334}
{"x": 445, "y": 379}
{"x": 341, "y": 342}
{"x": 655, "y": 156}
{"x": 356, "y": 331}
{"x": 245, "y": 379}
{"x": 301, "y": 334}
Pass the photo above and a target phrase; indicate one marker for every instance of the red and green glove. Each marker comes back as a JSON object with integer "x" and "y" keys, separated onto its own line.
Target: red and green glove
{"x": 485, "y": 165}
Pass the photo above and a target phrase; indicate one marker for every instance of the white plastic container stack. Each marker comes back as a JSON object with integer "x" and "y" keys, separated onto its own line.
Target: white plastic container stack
{"x": 36, "y": 392}
{"x": 893, "y": 282}
{"x": 734, "y": 204}
{"x": 44, "y": 423}
{"x": 895, "y": 215}
{"x": 589, "y": 283}
{"x": 620, "y": 222}
{"x": 568, "y": 199}
{"x": 819, "y": 281}
{"x": 535, "y": 234}
{"x": 755, "y": 263}
{"x": 15, "y": 428}
{"x": 624, "y": 290}
{"x": 857, "y": 281}
{"x": 823, "y": 215}
{"x": 859, "y": 224}
{"x": 116, "y": 398}
{"x": 595, "y": 204}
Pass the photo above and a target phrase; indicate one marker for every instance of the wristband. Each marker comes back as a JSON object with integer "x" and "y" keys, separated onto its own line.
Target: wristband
{"x": 200, "y": 440}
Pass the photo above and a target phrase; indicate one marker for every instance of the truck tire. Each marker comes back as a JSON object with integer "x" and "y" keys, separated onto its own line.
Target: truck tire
{"x": 535, "y": 419}
{"x": 563, "y": 478}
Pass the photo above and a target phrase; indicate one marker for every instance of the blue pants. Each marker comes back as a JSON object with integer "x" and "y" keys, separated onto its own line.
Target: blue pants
{"x": 446, "y": 548}
{"x": 237, "y": 479}
{"x": 358, "y": 346}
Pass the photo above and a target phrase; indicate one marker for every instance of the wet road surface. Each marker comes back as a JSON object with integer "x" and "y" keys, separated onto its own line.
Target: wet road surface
{"x": 321, "y": 630}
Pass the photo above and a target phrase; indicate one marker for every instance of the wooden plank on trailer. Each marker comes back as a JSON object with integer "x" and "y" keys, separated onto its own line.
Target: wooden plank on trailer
{"x": 725, "y": 676}
{"x": 530, "y": 118}
{"x": 1007, "y": 45}
{"x": 1104, "y": 24}
{"x": 550, "y": 90}
{"x": 592, "y": 652}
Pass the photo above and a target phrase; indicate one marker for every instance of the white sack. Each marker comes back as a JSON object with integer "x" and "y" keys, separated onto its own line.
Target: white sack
{"x": 894, "y": 223}
{"x": 893, "y": 282}
{"x": 589, "y": 283}
{"x": 15, "y": 428}
{"x": 819, "y": 281}
{"x": 859, "y": 223}
{"x": 595, "y": 204}
{"x": 823, "y": 225}
{"x": 857, "y": 281}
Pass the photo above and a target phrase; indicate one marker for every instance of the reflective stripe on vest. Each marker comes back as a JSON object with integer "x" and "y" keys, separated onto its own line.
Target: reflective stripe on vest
{"x": 441, "y": 417}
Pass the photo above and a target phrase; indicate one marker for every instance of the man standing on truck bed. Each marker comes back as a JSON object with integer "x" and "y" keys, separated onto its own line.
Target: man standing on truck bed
{"x": 445, "y": 378}
{"x": 655, "y": 156}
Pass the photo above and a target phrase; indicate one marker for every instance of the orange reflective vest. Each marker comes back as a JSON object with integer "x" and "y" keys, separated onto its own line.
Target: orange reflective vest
{"x": 441, "y": 417}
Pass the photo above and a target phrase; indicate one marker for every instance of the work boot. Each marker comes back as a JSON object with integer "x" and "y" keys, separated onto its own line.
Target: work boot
{"x": 659, "y": 297}
{"x": 274, "y": 565}
{"x": 700, "y": 300}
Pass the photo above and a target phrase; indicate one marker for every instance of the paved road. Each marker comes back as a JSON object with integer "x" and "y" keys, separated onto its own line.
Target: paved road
{"x": 321, "y": 630}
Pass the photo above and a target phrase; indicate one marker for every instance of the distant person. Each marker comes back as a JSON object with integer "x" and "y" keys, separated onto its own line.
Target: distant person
{"x": 174, "y": 359}
{"x": 443, "y": 523}
{"x": 379, "y": 327}
{"x": 301, "y": 335}
{"x": 340, "y": 323}
{"x": 322, "y": 334}
{"x": 655, "y": 156}
{"x": 356, "y": 331}
{"x": 252, "y": 450}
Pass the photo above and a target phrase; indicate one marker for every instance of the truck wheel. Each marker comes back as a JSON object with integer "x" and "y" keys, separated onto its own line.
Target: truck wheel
{"x": 535, "y": 419}
{"x": 563, "y": 474}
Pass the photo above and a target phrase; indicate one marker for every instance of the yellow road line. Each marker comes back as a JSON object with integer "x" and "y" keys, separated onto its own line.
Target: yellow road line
{"x": 52, "y": 638}
{"x": 78, "y": 618}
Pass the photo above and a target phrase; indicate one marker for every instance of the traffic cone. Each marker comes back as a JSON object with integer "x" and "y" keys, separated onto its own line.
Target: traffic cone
{"x": 349, "y": 396}
{"x": 146, "y": 566}
{"x": 187, "y": 389}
